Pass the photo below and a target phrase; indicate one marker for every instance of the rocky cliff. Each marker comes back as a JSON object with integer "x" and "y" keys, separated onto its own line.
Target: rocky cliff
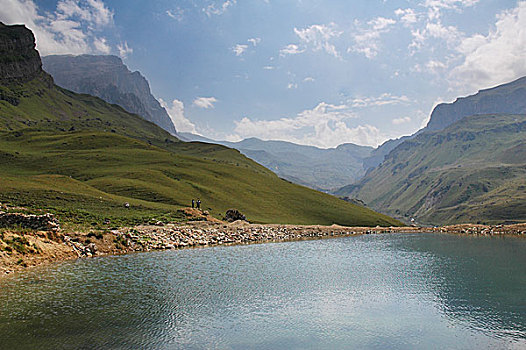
{"x": 19, "y": 61}
{"x": 504, "y": 99}
{"x": 108, "y": 78}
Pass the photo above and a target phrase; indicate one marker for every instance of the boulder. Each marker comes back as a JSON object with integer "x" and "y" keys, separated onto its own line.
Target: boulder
{"x": 234, "y": 215}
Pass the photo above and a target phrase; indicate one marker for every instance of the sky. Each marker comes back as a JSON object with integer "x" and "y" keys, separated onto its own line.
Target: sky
{"x": 312, "y": 72}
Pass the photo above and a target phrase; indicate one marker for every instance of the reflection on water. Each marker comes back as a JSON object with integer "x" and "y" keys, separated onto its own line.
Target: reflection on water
{"x": 375, "y": 292}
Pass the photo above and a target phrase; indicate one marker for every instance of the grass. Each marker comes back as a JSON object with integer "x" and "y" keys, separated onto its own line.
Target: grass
{"x": 82, "y": 159}
{"x": 472, "y": 171}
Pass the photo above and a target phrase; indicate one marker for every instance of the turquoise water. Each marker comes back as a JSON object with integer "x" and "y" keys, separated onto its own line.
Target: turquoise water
{"x": 399, "y": 291}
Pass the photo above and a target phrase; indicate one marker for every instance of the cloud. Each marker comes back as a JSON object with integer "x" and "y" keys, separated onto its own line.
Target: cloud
{"x": 254, "y": 41}
{"x": 177, "y": 14}
{"x": 124, "y": 49}
{"x": 176, "y": 113}
{"x": 402, "y": 120}
{"x": 269, "y": 67}
{"x": 291, "y": 49}
{"x": 73, "y": 28}
{"x": 218, "y": 10}
{"x": 205, "y": 102}
{"x": 309, "y": 80}
{"x": 382, "y": 100}
{"x": 292, "y": 86}
{"x": 239, "y": 49}
{"x": 407, "y": 16}
{"x": 432, "y": 66}
{"x": 318, "y": 36}
{"x": 495, "y": 58}
{"x": 367, "y": 38}
{"x": 323, "y": 126}
{"x": 435, "y": 30}
{"x": 435, "y": 7}
{"x": 101, "y": 45}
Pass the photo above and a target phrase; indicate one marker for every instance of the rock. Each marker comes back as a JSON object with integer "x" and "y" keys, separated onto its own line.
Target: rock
{"x": 109, "y": 79}
{"x": 20, "y": 61}
{"x": 46, "y": 222}
{"x": 234, "y": 215}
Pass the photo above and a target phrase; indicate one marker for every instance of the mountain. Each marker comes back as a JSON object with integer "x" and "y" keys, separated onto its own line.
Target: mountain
{"x": 322, "y": 169}
{"x": 503, "y": 99}
{"x": 377, "y": 156}
{"x": 108, "y": 78}
{"x": 473, "y": 170}
{"x": 83, "y": 158}
{"x": 507, "y": 99}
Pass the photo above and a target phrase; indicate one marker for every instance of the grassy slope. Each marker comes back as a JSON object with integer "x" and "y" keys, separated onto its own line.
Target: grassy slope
{"x": 83, "y": 158}
{"x": 472, "y": 171}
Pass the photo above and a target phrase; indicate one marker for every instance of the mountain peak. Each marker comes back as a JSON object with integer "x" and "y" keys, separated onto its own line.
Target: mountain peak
{"x": 107, "y": 77}
{"x": 20, "y": 60}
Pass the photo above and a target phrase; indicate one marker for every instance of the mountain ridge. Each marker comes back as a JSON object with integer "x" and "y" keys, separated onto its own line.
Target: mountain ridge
{"x": 107, "y": 77}
{"x": 318, "y": 168}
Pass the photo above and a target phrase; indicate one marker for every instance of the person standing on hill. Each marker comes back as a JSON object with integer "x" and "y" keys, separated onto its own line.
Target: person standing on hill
{"x": 198, "y": 204}
{"x": 193, "y": 203}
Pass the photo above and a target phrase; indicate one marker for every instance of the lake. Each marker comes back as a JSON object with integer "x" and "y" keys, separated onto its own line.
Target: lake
{"x": 396, "y": 291}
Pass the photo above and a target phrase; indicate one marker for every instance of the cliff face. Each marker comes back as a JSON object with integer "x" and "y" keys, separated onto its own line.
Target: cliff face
{"x": 19, "y": 61}
{"x": 108, "y": 78}
{"x": 504, "y": 99}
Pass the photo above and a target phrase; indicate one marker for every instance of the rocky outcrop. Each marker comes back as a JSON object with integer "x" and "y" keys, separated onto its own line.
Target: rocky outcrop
{"x": 19, "y": 61}
{"x": 234, "y": 215}
{"x": 46, "y": 222}
{"x": 108, "y": 78}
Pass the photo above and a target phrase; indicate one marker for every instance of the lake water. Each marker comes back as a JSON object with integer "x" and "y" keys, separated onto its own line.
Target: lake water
{"x": 392, "y": 291}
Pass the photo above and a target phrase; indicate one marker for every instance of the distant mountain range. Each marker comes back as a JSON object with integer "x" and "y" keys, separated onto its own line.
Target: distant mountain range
{"x": 468, "y": 164}
{"x": 322, "y": 169}
{"x": 108, "y": 78}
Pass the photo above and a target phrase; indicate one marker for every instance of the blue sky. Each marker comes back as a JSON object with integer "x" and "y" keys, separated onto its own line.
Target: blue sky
{"x": 307, "y": 71}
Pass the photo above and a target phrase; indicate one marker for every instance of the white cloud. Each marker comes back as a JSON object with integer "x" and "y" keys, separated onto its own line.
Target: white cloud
{"x": 124, "y": 49}
{"x": 239, "y": 49}
{"x": 495, "y": 58}
{"x": 291, "y": 49}
{"x": 407, "y": 16}
{"x": 318, "y": 36}
{"x": 432, "y": 66}
{"x": 402, "y": 120}
{"x": 254, "y": 41}
{"x": 73, "y": 28}
{"x": 309, "y": 80}
{"x": 205, "y": 102}
{"x": 177, "y": 14}
{"x": 176, "y": 113}
{"x": 367, "y": 39}
{"x": 435, "y": 7}
{"x": 217, "y": 10}
{"x": 323, "y": 126}
{"x": 269, "y": 67}
{"x": 292, "y": 86}
{"x": 450, "y": 34}
{"x": 382, "y": 100}
{"x": 101, "y": 45}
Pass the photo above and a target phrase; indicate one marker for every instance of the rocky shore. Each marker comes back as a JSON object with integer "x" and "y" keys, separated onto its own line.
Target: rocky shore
{"x": 20, "y": 249}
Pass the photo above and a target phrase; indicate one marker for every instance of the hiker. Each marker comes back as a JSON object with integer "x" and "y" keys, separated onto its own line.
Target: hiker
{"x": 193, "y": 204}
{"x": 199, "y": 204}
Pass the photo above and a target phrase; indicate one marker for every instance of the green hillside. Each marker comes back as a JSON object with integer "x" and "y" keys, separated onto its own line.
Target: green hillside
{"x": 474, "y": 170}
{"x": 82, "y": 158}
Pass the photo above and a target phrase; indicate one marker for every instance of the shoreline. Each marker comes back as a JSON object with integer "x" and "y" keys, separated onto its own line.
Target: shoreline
{"x": 33, "y": 248}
